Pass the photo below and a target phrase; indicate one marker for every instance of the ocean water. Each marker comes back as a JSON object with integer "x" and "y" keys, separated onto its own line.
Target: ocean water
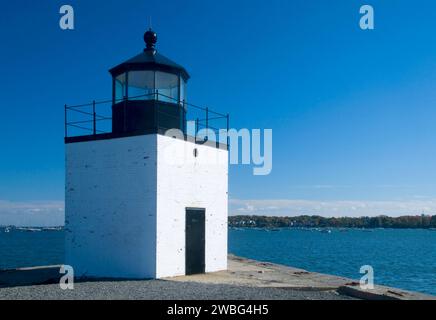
{"x": 400, "y": 258}
{"x": 30, "y": 247}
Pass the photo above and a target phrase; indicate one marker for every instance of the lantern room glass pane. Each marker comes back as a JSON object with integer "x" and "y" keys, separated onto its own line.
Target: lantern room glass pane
{"x": 120, "y": 87}
{"x": 141, "y": 85}
{"x": 167, "y": 85}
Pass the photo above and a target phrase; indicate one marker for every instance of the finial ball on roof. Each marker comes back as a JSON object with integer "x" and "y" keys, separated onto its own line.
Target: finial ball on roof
{"x": 150, "y": 38}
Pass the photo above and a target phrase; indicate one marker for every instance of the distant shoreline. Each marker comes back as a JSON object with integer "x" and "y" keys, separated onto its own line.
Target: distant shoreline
{"x": 304, "y": 221}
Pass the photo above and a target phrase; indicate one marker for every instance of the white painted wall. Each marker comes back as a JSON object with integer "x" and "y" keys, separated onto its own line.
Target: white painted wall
{"x": 110, "y": 207}
{"x": 187, "y": 181}
{"x": 126, "y": 200}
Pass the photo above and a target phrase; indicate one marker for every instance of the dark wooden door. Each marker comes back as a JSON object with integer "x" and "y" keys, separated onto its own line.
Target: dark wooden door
{"x": 195, "y": 240}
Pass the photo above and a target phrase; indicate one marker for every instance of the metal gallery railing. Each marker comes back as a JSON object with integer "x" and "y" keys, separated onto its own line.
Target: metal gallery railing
{"x": 96, "y": 117}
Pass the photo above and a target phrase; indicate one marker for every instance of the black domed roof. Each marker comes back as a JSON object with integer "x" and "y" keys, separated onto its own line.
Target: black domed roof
{"x": 150, "y": 59}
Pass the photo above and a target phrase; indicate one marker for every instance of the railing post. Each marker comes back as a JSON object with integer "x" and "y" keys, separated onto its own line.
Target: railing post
{"x": 66, "y": 123}
{"x": 93, "y": 120}
{"x": 184, "y": 117}
{"x": 207, "y": 124}
{"x": 228, "y": 128}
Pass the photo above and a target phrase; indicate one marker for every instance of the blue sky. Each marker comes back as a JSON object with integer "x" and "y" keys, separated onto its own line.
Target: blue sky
{"x": 353, "y": 112}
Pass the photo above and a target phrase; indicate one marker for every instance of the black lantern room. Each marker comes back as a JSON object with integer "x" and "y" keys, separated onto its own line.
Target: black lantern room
{"x": 148, "y": 92}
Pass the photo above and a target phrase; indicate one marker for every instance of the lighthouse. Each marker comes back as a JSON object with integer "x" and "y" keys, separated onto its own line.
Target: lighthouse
{"x": 140, "y": 202}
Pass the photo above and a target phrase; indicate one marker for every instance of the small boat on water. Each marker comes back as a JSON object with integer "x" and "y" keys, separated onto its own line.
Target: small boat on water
{"x": 7, "y": 230}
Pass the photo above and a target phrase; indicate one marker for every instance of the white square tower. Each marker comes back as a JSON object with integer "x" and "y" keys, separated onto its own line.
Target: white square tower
{"x": 140, "y": 202}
